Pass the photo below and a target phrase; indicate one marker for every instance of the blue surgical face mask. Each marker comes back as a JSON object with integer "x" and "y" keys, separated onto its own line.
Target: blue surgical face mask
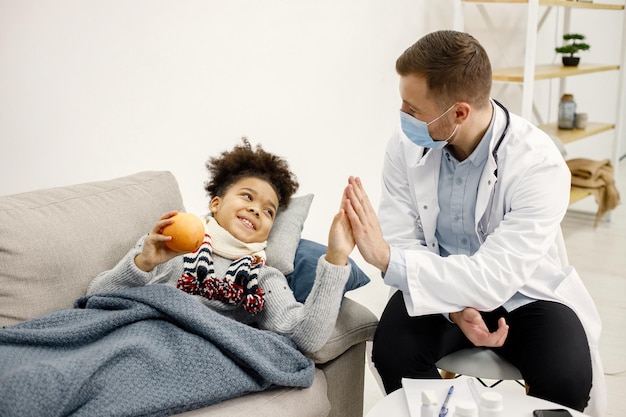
{"x": 417, "y": 130}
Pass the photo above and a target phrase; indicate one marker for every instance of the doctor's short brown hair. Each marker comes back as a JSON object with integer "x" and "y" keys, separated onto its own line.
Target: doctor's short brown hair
{"x": 454, "y": 64}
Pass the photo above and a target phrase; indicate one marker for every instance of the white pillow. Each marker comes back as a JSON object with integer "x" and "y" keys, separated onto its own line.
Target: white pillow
{"x": 284, "y": 237}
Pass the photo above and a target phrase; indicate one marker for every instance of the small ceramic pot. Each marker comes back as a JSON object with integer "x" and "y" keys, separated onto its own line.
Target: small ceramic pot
{"x": 570, "y": 61}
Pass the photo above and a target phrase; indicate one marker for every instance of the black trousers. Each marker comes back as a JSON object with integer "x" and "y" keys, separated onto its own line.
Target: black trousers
{"x": 546, "y": 342}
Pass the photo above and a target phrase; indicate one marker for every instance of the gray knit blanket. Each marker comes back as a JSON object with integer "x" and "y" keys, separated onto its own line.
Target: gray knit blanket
{"x": 147, "y": 351}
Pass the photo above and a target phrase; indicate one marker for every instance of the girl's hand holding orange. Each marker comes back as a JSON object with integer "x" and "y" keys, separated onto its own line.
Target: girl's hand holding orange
{"x": 174, "y": 233}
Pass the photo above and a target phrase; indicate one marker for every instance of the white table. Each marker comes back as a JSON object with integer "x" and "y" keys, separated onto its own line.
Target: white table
{"x": 516, "y": 404}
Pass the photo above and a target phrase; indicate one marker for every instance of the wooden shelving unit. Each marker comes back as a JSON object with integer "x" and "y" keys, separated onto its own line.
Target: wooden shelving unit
{"x": 548, "y": 71}
{"x": 577, "y": 194}
{"x": 531, "y": 72}
{"x": 569, "y": 136}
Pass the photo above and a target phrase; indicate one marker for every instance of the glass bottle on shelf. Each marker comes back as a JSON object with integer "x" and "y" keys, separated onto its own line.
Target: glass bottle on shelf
{"x": 567, "y": 112}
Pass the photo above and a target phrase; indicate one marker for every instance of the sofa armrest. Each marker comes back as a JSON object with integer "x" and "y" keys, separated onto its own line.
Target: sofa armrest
{"x": 355, "y": 324}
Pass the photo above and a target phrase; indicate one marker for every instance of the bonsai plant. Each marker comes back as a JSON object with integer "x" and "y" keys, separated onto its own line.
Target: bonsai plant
{"x": 572, "y": 48}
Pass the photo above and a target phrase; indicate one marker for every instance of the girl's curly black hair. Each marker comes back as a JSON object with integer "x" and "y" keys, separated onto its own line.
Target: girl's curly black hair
{"x": 243, "y": 161}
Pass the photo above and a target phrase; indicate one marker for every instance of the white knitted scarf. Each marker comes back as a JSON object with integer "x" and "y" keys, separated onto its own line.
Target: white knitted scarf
{"x": 228, "y": 246}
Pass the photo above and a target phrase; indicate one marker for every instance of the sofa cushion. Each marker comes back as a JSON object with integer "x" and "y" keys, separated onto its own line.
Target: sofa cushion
{"x": 285, "y": 234}
{"x": 280, "y": 402}
{"x": 302, "y": 278}
{"x": 55, "y": 241}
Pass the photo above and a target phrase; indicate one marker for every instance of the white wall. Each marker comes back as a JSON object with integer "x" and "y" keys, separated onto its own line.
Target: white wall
{"x": 91, "y": 90}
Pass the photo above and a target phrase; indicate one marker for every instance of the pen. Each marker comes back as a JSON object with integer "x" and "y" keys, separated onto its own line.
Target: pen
{"x": 444, "y": 407}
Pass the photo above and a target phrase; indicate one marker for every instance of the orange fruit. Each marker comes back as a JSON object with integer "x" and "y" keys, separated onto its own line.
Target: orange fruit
{"x": 187, "y": 233}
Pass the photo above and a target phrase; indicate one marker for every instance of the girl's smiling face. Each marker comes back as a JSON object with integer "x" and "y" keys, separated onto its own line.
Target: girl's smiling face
{"x": 247, "y": 209}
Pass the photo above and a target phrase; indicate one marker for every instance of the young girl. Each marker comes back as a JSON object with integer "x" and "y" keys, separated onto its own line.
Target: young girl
{"x": 228, "y": 273}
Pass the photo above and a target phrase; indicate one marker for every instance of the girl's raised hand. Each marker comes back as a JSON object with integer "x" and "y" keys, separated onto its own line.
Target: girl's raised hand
{"x": 340, "y": 240}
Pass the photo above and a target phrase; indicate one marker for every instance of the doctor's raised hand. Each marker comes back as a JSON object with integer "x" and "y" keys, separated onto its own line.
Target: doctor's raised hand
{"x": 365, "y": 225}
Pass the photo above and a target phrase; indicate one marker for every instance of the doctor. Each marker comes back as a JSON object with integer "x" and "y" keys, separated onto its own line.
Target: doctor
{"x": 472, "y": 202}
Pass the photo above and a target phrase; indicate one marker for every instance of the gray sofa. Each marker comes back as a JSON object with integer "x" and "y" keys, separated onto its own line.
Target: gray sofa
{"x": 54, "y": 241}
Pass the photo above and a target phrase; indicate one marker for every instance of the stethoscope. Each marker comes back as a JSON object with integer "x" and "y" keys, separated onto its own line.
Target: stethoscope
{"x": 494, "y": 153}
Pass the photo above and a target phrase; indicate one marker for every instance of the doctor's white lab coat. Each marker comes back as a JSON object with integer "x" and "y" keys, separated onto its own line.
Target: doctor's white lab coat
{"x": 518, "y": 216}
